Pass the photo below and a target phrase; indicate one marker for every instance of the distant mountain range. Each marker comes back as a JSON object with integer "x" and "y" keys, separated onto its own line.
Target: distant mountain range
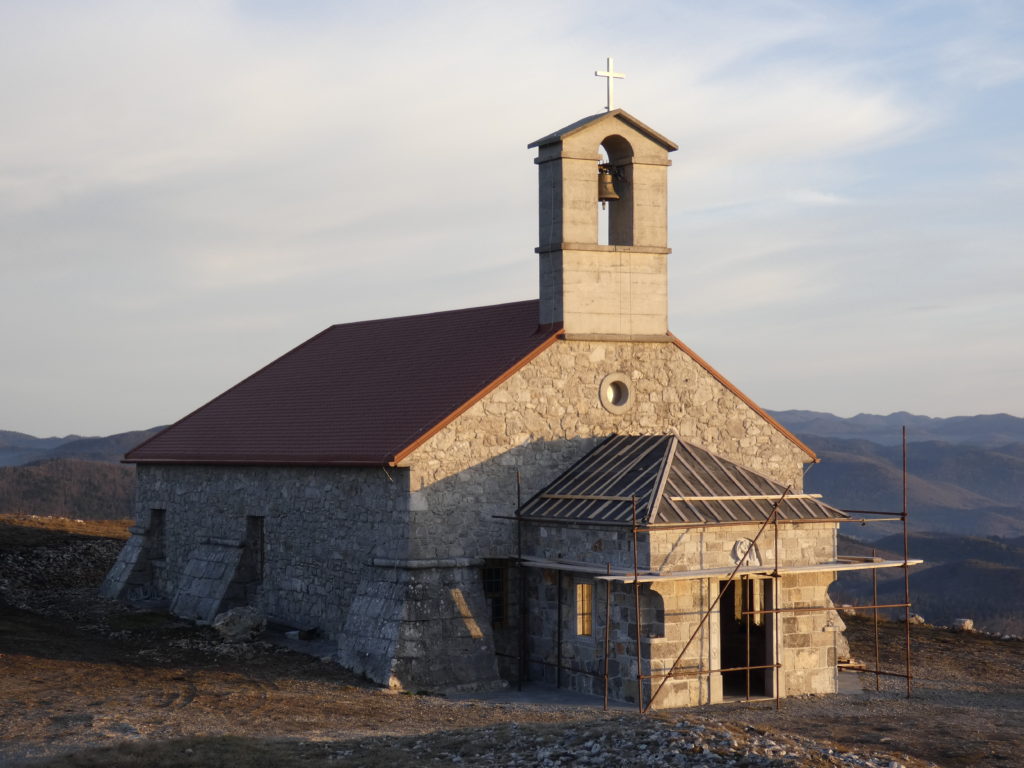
{"x": 965, "y": 501}
{"x": 989, "y": 431}
{"x": 962, "y": 577}
{"x": 17, "y": 448}
{"x": 970, "y": 482}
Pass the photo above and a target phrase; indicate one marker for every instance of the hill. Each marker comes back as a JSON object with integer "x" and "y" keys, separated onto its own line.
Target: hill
{"x": 966, "y": 502}
{"x": 951, "y": 488}
{"x": 965, "y": 474}
{"x": 18, "y": 449}
{"x": 990, "y": 594}
{"x": 942, "y": 548}
{"x": 74, "y": 488}
{"x": 111, "y": 448}
{"x": 963, "y": 577}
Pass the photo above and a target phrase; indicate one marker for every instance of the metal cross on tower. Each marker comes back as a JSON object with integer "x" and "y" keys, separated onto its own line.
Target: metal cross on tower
{"x": 611, "y": 74}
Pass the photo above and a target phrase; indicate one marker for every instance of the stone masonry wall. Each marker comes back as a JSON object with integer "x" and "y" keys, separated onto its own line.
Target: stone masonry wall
{"x": 136, "y": 571}
{"x": 551, "y": 604}
{"x": 539, "y": 421}
{"x": 336, "y": 557}
{"x": 559, "y": 655}
{"x": 806, "y": 641}
{"x": 421, "y": 628}
{"x": 671, "y": 611}
{"x": 322, "y": 528}
{"x": 548, "y": 415}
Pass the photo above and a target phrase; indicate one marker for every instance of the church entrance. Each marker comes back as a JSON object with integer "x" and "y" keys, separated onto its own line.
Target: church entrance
{"x": 745, "y": 637}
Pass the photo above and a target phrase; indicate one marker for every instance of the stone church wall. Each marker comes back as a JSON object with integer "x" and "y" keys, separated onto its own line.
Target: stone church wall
{"x": 672, "y": 611}
{"x": 548, "y": 415}
{"x": 335, "y": 557}
{"x": 321, "y": 528}
{"x": 559, "y": 655}
{"x": 552, "y": 637}
{"x": 806, "y": 641}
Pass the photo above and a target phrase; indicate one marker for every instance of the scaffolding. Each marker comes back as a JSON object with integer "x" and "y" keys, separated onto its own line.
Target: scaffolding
{"x": 740, "y": 571}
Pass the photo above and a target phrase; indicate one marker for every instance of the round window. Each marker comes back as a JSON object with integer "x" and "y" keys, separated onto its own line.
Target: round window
{"x": 614, "y": 392}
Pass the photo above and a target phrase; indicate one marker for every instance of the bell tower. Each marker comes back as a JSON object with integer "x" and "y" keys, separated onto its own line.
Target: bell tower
{"x": 619, "y": 289}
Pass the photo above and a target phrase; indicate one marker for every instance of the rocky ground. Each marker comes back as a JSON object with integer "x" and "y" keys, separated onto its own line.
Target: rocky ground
{"x": 87, "y": 682}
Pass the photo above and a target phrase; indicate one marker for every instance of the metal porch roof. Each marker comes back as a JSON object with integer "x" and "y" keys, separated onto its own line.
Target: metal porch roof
{"x": 672, "y": 482}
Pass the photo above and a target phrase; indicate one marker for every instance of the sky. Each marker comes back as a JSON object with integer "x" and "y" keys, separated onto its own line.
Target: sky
{"x": 188, "y": 190}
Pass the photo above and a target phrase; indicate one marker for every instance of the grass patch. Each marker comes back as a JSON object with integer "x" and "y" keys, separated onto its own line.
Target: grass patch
{"x": 30, "y": 531}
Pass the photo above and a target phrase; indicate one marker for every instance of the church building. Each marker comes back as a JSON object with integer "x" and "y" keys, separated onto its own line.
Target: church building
{"x": 555, "y": 490}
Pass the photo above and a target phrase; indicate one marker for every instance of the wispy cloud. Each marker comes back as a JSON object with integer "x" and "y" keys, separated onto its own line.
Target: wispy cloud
{"x": 259, "y": 169}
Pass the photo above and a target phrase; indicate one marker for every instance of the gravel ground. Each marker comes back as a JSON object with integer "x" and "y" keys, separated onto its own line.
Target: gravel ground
{"x": 89, "y": 683}
{"x": 622, "y": 741}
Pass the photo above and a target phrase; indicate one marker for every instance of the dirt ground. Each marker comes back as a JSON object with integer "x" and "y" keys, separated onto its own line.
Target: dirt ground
{"x": 966, "y": 706}
{"x": 88, "y": 682}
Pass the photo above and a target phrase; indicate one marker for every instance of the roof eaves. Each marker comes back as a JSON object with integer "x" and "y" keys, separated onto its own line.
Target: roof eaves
{"x": 736, "y": 391}
{"x": 266, "y": 462}
{"x": 402, "y": 453}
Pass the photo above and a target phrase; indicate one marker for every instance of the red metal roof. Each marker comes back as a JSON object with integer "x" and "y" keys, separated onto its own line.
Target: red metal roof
{"x": 359, "y": 393}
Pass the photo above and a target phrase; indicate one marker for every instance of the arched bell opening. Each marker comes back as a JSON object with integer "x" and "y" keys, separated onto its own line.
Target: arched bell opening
{"x": 615, "y": 192}
{"x": 605, "y": 193}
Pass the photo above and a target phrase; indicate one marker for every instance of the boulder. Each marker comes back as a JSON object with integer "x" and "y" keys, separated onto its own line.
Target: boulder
{"x": 240, "y": 625}
{"x": 964, "y": 625}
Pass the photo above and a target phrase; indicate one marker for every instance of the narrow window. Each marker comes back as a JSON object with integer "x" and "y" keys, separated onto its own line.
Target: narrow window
{"x": 496, "y": 591}
{"x": 156, "y": 533}
{"x": 255, "y": 547}
{"x": 584, "y": 609}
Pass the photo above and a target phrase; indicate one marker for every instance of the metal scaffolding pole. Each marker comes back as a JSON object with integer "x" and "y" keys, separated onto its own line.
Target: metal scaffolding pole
{"x": 906, "y": 557}
{"x": 607, "y": 632}
{"x": 636, "y": 602}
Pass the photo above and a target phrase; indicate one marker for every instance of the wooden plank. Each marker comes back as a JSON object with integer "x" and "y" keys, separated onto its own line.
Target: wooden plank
{"x": 558, "y": 565}
{"x": 758, "y": 570}
{"x": 752, "y": 497}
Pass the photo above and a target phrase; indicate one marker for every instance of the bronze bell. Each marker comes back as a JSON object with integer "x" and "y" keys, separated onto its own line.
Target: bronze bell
{"x": 605, "y": 184}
